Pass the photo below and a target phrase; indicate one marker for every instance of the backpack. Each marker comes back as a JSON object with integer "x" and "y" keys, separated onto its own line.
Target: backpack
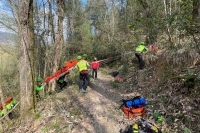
{"x": 153, "y": 48}
{"x": 142, "y": 127}
{"x": 134, "y": 107}
{"x": 114, "y": 74}
{"x": 136, "y": 102}
{"x": 148, "y": 127}
{"x": 131, "y": 112}
{"x": 119, "y": 79}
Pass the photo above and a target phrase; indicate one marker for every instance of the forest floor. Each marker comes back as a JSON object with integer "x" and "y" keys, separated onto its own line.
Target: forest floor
{"x": 71, "y": 111}
{"x": 101, "y": 106}
{"x": 98, "y": 111}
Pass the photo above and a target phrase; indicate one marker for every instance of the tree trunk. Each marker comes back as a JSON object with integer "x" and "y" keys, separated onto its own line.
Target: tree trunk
{"x": 168, "y": 30}
{"x": 27, "y": 75}
{"x": 59, "y": 42}
{"x": 196, "y": 8}
{"x": 50, "y": 20}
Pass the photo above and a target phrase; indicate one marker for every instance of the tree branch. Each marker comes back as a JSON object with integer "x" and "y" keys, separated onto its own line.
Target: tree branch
{"x": 8, "y": 52}
{"x": 9, "y": 111}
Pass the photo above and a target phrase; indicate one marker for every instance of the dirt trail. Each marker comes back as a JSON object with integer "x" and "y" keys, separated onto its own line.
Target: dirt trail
{"x": 102, "y": 105}
{"x": 74, "y": 112}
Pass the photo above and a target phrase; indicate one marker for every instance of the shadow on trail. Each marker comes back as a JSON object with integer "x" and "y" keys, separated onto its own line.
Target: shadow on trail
{"x": 113, "y": 94}
{"x": 103, "y": 98}
{"x": 104, "y": 88}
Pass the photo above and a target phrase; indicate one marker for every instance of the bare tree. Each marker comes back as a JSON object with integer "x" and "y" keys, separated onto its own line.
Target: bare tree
{"x": 196, "y": 8}
{"x": 59, "y": 40}
{"x": 27, "y": 75}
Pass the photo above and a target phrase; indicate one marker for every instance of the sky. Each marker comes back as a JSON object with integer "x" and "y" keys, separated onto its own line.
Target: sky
{"x": 84, "y": 1}
{"x": 5, "y": 10}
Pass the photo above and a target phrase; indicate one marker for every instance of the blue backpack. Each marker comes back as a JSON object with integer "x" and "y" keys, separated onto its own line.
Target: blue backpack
{"x": 136, "y": 102}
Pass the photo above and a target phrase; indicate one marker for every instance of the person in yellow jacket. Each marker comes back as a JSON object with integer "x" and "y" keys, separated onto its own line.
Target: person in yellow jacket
{"x": 139, "y": 49}
{"x": 9, "y": 106}
{"x": 84, "y": 76}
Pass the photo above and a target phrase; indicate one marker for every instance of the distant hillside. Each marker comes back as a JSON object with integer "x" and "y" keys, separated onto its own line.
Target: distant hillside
{"x": 6, "y": 37}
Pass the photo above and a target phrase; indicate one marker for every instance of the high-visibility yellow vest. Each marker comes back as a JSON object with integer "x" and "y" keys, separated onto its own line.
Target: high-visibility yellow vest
{"x": 82, "y": 65}
{"x": 39, "y": 88}
{"x": 141, "y": 48}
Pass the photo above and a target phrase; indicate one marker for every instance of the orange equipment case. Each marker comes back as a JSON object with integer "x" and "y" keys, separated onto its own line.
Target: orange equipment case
{"x": 133, "y": 112}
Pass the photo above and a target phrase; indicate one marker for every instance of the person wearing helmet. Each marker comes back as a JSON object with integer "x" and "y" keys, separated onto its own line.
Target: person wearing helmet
{"x": 38, "y": 87}
{"x": 10, "y": 103}
{"x": 85, "y": 56}
{"x": 79, "y": 57}
{"x": 139, "y": 49}
{"x": 95, "y": 66}
{"x": 61, "y": 83}
{"x": 84, "y": 77}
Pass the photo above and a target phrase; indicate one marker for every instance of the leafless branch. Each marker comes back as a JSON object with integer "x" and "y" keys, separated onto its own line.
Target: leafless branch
{"x": 9, "y": 111}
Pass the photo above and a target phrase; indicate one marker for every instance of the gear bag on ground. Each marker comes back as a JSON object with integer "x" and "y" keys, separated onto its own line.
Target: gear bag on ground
{"x": 134, "y": 107}
{"x": 141, "y": 126}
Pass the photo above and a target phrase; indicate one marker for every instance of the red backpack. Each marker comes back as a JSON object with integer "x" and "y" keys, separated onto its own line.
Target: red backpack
{"x": 153, "y": 48}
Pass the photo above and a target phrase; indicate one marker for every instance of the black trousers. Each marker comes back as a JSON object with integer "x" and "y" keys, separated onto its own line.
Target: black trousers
{"x": 37, "y": 96}
{"x": 94, "y": 73}
{"x": 62, "y": 85}
{"x": 83, "y": 82}
{"x": 139, "y": 56}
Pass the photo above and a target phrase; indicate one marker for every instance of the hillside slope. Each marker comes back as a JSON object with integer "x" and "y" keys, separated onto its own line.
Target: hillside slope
{"x": 72, "y": 111}
{"x": 98, "y": 110}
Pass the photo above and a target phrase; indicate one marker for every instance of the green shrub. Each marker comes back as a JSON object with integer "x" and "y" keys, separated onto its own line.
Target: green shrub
{"x": 37, "y": 116}
{"x": 114, "y": 84}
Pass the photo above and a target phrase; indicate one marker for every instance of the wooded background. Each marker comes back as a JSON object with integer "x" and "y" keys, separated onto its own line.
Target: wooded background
{"x": 47, "y": 33}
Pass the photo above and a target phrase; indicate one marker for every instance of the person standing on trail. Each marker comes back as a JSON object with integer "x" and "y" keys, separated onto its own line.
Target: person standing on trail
{"x": 84, "y": 77}
{"x": 139, "y": 50}
{"x": 85, "y": 56}
{"x": 95, "y": 66}
{"x": 38, "y": 87}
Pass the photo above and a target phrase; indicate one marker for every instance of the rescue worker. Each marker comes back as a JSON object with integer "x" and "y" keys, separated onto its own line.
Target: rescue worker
{"x": 9, "y": 106}
{"x": 95, "y": 66}
{"x": 85, "y": 56}
{"x": 38, "y": 87}
{"x": 84, "y": 77}
{"x": 139, "y": 50}
{"x": 61, "y": 82}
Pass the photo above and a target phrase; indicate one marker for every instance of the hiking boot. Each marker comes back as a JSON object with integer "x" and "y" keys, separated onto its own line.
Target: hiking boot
{"x": 84, "y": 91}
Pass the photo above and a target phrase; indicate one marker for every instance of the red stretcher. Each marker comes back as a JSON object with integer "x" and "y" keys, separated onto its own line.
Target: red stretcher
{"x": 66, "y": 69}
